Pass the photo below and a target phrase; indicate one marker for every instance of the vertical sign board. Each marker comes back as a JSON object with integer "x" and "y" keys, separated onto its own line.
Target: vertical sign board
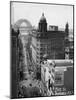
{"x": 59, "y": 78}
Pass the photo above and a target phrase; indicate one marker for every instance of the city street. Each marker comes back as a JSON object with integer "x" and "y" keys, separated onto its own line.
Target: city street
{"x": 28, "y": 72}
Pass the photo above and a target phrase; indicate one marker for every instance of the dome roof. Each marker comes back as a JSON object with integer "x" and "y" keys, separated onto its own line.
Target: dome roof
{"x": 43, "y": 19}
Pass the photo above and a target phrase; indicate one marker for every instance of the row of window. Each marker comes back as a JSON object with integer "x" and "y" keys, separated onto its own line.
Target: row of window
{"x": 50, "y": 48}
{"x": 50, "y": 42}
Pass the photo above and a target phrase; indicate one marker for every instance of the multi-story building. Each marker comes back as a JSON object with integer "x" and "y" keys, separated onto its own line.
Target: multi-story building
{"x": 69, "y": 43}
{"x": 58, "y": 76}
{"x": 47, "y": 42}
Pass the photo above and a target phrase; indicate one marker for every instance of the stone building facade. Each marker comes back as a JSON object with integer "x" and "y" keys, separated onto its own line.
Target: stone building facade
{"x": 47, "y": 42}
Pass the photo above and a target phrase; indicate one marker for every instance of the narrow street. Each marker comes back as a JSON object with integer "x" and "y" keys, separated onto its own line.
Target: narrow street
{"x": 29, "y": 80}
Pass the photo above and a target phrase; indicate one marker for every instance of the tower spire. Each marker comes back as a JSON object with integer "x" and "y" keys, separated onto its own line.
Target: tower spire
{"x": 43, "y": 24}
{"x": 67, "y": 29}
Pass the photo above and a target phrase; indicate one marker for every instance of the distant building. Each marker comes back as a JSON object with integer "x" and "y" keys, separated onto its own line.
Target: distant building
{"x": 53, "y": 28}
{"x": 69, "y": 44}
{"x": 62, "y": 72}
{"x": 47, "y": 42}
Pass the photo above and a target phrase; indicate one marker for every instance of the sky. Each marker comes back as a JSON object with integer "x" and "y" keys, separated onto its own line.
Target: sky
{"x": 55, "y": 14}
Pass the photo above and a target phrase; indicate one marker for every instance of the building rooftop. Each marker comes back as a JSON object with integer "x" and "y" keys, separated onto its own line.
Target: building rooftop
{"x": 48, "y": 34}
{"x": 59, "y": 63}
{"x": 62, "y": 62}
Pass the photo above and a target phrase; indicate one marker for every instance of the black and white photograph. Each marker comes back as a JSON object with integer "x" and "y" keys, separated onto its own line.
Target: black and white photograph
{"x": 42, "y": 49}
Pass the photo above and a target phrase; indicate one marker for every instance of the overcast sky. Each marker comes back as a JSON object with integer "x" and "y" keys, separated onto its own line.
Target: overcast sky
{"x": 55, "y": 14}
